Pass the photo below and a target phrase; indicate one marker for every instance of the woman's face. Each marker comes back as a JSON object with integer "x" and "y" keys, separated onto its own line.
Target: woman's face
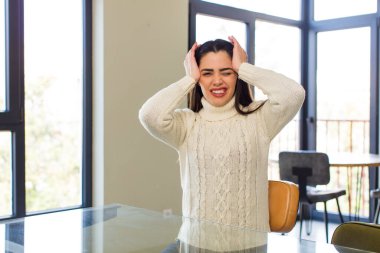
{"x": 218, "y": 79}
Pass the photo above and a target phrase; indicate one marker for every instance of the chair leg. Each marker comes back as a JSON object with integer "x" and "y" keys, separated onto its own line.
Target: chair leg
{"x": 326, "y": 223}
{"x": 310, "y": 221}
{"x": 340, "y": 213}
{"x": 301, "y": 218}
{"x": 376, "y": 217}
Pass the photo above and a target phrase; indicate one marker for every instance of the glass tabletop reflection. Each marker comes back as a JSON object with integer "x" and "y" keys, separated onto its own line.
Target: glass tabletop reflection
{"x": 120, "y": 228}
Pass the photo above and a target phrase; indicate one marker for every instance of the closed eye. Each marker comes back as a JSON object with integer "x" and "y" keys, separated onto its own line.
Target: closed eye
{"x": 206, "y": 73}
{"x": 227, "y": 73}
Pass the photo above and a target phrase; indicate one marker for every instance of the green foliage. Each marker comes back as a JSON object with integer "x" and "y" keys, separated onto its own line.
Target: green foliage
{"x": 53, "y": 155}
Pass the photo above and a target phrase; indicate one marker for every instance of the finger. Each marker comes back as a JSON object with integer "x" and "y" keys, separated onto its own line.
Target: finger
{"x": 191, "y": 51}
{"x": 237, "y": 44}
{"x": 232, "y": 39}
{"x": 194, "y": 47}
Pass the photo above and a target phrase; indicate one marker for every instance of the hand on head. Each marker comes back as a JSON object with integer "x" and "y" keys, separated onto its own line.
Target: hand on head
{"x": 191, "y": 66}
{"x": 239, "y": 55}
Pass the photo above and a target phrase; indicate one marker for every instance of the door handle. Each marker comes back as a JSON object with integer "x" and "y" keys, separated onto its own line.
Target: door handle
{"x": 310, "y": 120}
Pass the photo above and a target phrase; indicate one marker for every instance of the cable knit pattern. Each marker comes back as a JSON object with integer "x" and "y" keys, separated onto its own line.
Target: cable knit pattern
{"x": 208, "y": 236}
{"x": 223, "y": 154}
{"x": 243, "y": 175}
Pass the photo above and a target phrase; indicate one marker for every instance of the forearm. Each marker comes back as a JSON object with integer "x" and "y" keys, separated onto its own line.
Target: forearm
{"x": 276, "y": 86}
{"x": 285, "y": 96}
{"x": 157, "y": 114}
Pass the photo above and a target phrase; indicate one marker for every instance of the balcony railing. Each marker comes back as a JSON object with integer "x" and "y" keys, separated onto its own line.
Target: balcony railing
{"x": 334, "y": 136}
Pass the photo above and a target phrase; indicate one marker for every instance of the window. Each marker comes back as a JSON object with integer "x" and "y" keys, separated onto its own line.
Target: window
{"x": 210, "y": 28}
{"x": 53, "y": 95}
{"x": 343, "y": 103}
{"x": 343, "y": 67}
{"x": 45, "y": 127}
{"x": 5, "y": 173}
{"x": 328, "y": 9}
{"x": 282, "y": 8}
{"x": 278, "y": 47}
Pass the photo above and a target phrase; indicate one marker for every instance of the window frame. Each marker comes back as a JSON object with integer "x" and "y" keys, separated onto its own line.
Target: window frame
{"x": 308, "y": 129}
{"x": 13, "y": 118}
{"x": 247, "y": 17}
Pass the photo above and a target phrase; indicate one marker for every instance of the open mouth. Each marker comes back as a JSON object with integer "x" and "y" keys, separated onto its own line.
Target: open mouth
{"x": 219, "y": 92}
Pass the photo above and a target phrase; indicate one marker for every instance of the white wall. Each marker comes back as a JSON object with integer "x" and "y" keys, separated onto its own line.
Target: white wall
{"x": 139, "y": 47}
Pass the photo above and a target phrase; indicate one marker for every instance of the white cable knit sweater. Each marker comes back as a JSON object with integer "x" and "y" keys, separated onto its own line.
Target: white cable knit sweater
{"x": 223, "y": 154}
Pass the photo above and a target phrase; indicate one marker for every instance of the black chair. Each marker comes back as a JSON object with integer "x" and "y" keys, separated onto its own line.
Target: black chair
{"x": 309, "y": 169}
{"x": 375, "y": 194}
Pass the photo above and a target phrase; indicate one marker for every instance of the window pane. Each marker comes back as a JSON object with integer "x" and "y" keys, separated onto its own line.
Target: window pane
{"x": 5, "y": 173}
{"x": 282, "y": 8}
{"x": 2, "y": 57}
{"x": 53, "y": 103}
{"x": 328, "y": 9}
{"x": 211, "y": 28}
{"x": 343, "y": 101}
{"x": 277, "y": 47}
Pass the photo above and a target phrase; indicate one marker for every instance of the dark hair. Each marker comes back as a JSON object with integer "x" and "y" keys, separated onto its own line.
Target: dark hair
{"x": 243, "y": 95}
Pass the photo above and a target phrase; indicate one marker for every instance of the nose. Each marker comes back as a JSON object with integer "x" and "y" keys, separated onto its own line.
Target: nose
{"x": 218, "y": 80}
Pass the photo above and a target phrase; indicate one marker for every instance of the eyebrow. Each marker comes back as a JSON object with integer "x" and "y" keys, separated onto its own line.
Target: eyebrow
{"x": 223, "y": 69}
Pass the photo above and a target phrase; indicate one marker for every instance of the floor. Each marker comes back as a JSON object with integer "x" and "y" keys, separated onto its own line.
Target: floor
{"x": 318, "y": 232}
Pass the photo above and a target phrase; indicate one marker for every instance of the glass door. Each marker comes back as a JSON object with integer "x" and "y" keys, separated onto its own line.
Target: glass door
{"x": 278, "y": 47}
{"x": 343, "y": 108}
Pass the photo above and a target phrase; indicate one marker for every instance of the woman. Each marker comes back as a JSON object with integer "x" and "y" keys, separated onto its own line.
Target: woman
{"x": 223, "y": 138}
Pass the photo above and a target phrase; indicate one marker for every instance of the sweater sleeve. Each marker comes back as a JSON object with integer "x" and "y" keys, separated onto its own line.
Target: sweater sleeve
{"x": 285, "y": 96}
{"x": 159, "y": 116}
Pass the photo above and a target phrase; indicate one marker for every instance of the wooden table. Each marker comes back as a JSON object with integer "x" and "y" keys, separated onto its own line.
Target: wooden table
{"x": 354, "y": 160}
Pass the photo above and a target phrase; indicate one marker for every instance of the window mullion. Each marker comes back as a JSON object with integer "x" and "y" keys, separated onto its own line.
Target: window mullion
{"x": 14, "y": 117}
{"x": 87, "y": 105}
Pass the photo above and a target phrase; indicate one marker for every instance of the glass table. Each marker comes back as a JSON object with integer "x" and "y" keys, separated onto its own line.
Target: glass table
{"x": 120, "y": 228}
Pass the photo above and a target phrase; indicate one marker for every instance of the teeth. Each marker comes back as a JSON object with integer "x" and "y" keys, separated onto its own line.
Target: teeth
{"x": 218, "y": 91}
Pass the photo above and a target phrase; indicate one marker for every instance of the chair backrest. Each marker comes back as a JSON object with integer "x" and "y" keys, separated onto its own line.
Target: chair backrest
{"x": 316, "y": 161}
{"x": 283, "y": 205}
{"x": 357, "y": 235}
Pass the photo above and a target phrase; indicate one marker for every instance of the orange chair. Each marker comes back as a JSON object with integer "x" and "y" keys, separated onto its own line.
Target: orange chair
{"x": 283, "y": 205}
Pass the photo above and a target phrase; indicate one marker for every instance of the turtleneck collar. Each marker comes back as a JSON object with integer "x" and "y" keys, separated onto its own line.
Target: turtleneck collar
{"x": 213, "y": 113}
